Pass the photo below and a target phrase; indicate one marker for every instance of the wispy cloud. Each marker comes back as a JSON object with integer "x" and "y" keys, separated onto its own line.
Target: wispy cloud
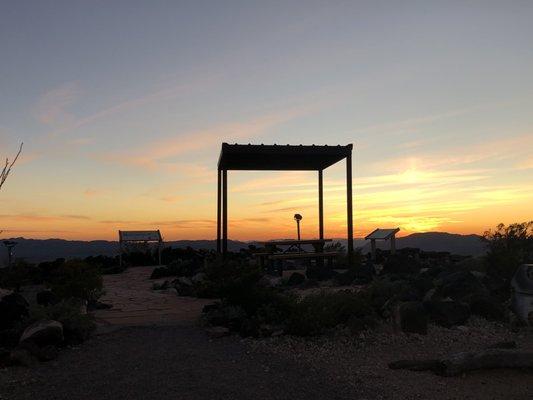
{"x": 161, "y": 155}
{"x": 499, "y": 149}
{"x": 53, "y": 107}
{"x": 42, "y": 218}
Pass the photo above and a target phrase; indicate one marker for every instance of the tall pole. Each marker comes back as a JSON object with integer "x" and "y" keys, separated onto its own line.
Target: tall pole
{"x": 224, "y": 211}
{"x": 219, "y": 211}
{"x": 349, "y": 206}
{"x": 320, "y": 206}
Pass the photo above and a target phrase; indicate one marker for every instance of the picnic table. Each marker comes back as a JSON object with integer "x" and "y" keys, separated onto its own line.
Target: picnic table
{"x": 293, "y": 251}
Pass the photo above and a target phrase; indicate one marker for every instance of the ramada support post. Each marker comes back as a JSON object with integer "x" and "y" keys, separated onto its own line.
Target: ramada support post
{"x": 349, "y": 206}
{"x": 219, "y": 211}
{"x": 320, "y": 206}
{"x": 224, "y": 211}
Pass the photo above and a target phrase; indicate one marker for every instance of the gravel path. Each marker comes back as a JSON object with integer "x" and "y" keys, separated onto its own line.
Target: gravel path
{"x": 168, "y": 363}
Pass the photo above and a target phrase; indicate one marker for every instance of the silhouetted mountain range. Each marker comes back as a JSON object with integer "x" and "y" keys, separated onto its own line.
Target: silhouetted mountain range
{"x": 36, "y": 250}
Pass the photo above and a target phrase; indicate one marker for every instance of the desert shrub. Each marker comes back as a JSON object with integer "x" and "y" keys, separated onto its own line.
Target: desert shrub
{"x": 316, "y": 313}
{"x": 19, "y": 274}
{"x": 106, "y": 264}
{"x": 383, "y": 292}
{"x": 508, "y": 247}
{"x": 185, "y": 267}
{"x": 401, "y": 263}
{"x": 319, "y": 272}
{"x": 77, "y": 327}
{"x": 48, "y": 268}
{"x": 76, "y": 279}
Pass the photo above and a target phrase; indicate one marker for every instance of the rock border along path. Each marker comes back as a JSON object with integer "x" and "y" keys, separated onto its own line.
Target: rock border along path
{"x": 136, "y": 304}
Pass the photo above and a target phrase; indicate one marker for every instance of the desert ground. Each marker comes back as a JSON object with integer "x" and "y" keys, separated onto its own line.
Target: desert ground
{"x": 151, "y": 346}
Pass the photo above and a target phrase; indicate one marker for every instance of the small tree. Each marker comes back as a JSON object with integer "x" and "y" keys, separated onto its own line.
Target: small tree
{"x": 508, "y": 247}
{"x": 7, "y": 167}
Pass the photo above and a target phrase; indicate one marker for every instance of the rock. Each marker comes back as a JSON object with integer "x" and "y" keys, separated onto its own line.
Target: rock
{"x": 447, "y": 313}
{"x": 13, "y": 308}
{"x": 270, "y": 281}
{"x": 487, "y": 308}
{"x": 97, "y": 305}
{"x": 43, "y": 333}
{"x": 160, "y": 272}
{"x": 22, "y": 357}
{"x": 184, "y": 281}
{"x": 4, "y": 292}
{"x": 411, "y": 317}
{"x": 319, "y": 272}
{"x": 217, "y": 332}
{"x": 199, "y": 277}
{"x": 45, "y": 353}
{"x": 46, "y": 298}
{"x": 522, "y": 296}
{"x": 430, "y": 294}
{"x": 161, "y": 286}
{"x": 184, "y": 286}
{"x": 458, "y": 285}
{"x": 266, "y": 330}
{"x": 210, "y": 308}
{"x": 296, "y": 279}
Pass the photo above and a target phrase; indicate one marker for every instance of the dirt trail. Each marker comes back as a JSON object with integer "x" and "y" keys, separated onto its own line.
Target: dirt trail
{"x": 136, "y": 304}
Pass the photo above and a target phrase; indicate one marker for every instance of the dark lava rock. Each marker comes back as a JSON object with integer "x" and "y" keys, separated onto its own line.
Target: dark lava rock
{"x": 458, "y": 285}
{"x": 296, "y": 279}
{"x": 487, "y": 308}
{"x": 13, "y": 308}
{"x": 160, "y": 272}
{"x": 411, "y": 317}
{"x": 43, "y": 333}
{"x": 447, "y": 313}
{"x": 319, "y": 272}
{"x": 46, "y": 298}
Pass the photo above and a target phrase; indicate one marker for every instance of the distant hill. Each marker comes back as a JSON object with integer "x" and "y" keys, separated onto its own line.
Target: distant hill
{"x": 467, "y": 245}
{"x": 35, "y": 250}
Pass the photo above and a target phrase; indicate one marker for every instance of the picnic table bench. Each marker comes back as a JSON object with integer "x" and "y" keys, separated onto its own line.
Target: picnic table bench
{"x": 294, "y": 252}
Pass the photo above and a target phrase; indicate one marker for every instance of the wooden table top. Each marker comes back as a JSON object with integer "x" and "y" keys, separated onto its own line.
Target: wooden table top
{"x": 294, "y": 242}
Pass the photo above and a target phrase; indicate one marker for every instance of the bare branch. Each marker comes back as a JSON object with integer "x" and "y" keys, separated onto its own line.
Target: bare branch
{"x": 7, "y": 167}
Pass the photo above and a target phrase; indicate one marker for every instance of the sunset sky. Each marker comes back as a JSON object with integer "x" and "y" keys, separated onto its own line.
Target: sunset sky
{"x": 123, "y": 105}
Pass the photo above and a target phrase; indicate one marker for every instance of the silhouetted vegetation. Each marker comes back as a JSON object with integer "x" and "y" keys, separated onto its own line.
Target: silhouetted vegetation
{"x": 508, "y": 247}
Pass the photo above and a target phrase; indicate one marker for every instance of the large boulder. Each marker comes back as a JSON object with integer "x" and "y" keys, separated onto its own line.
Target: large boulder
{"x": 46, "y": 298}
{"x": 458, "y": 285}
{"x": 487, "y": 308}
{"x": 296, "y": 279}
{"x": 43, "y": 333}
{"x": 13, "y": 308}
{"x": 184, "y": 286}
{"x": 199, "y": 277}
{"x": 411, "y": 317}
{"x": 160, "y": 272}
{"x": 447, "y": 313}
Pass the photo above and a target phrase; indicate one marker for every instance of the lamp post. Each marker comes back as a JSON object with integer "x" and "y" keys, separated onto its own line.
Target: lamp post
{"x": 298, "y": 218}
{"x": 9, "y": 245}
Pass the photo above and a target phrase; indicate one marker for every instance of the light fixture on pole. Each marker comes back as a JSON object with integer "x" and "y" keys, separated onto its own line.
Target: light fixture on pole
{"x": 298, "y": 218}
{"x": 9, "y": 245}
